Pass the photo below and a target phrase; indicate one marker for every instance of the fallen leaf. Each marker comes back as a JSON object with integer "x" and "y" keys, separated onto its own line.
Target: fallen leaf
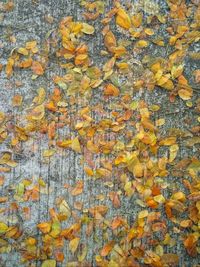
{"x": 75, "y": 145}
{"x": 48, "y": 153}
{"x": 185, "y": 94}
{"x": 173, "y": 152}
{"x": 44, "y": 227}
{"x": 87, "y": 29}
{"x": 107, "y": 248}
{"x": 78, "y": 189}
{"x": 73, "y": 244}
{"x": 37, "y": 68}
{"x": 49, "y": 263}
{"x": 3, "y": 228}
{"x": 111, "y": 90}
{"x": 123, "y": 19}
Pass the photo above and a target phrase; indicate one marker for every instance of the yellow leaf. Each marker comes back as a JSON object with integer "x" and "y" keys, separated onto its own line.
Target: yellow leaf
{"x": 75, "y": 145}
{"x": 30, "y": 45}
{"x": 3, "y": 228}
{"x": 73, "y": 244}
{"x": 39, "y": 99}
{"x": 137, "y": 20}
{"x": 44, "y": 227}
{"x": 176, "y": 71}
{"x": 23, "y": 51}
{"x": 155, "y": 67}
{"x": 135, "y": 166}
{"x": 109, "y": 65}
{"x": 100, "y": 172}
{"x": 80, "y": 59}
{"x": 65, "y": 143}
{"x": 6, "y": 159}
{"x": 110, "y": 40}
{"x": 87, "y": 29}
{"x": 113, "y": 263}
{"x": 64, "y": 208}
{"x": 123, "y": 19}
{"x": 81, "y": 256}
{"x": 48, "y": 152}
{"x": 38, "y": 113}
{"x": 142, "y": 214}
{"x": 179, "y": 196}
{"x": 88, "y": 171}
{"x": 92, "y": 147}
{"x": 168, "y": 85}
{"x": 154, "y": 108}
{"x": 149, "y": 31}
{"x": 159, "y": 199}
{"x": 173, "y": 152}
{"x": 160, "y": 122}
{"x": 142, "y": 44}
{"x": 163, "y": 79}
{"x": 122, "y": 65}
{"x": 76, "y": 27}
{"x": 159, "y": 42}
{"x": 49, "y": 263}
{"x": 173, "y": 40}
{"x": 185, "y": 94}
{"x": 168, "y": 141}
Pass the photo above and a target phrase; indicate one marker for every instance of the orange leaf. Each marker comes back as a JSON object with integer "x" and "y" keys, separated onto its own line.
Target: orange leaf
{"x": 1, "y": 180}
{"x": 111, "y": 90}
{"x": 78, "y": 189}
{"x": 44, "y": 227}
{"x": 59, "y": 256}
{"x": 137, "y": 20}
{"x": 107, "y": 248}
{"x": 37, "y": 68}
{"x": 25, "y": 63}
{"x": 17, "y": 100}
{"x": 9, "y": 67}
{"x": 115, "y": 199}
{"x": 117, "y": 222}
{"x": 110, "y": 41}
{"x": 52, "y": 130}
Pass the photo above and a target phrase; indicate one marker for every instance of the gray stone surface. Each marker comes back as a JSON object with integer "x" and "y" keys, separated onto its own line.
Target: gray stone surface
{"x": 27, "y": 22}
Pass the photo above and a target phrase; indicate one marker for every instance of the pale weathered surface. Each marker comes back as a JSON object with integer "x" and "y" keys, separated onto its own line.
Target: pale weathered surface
{"x": 27, "y": 22}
